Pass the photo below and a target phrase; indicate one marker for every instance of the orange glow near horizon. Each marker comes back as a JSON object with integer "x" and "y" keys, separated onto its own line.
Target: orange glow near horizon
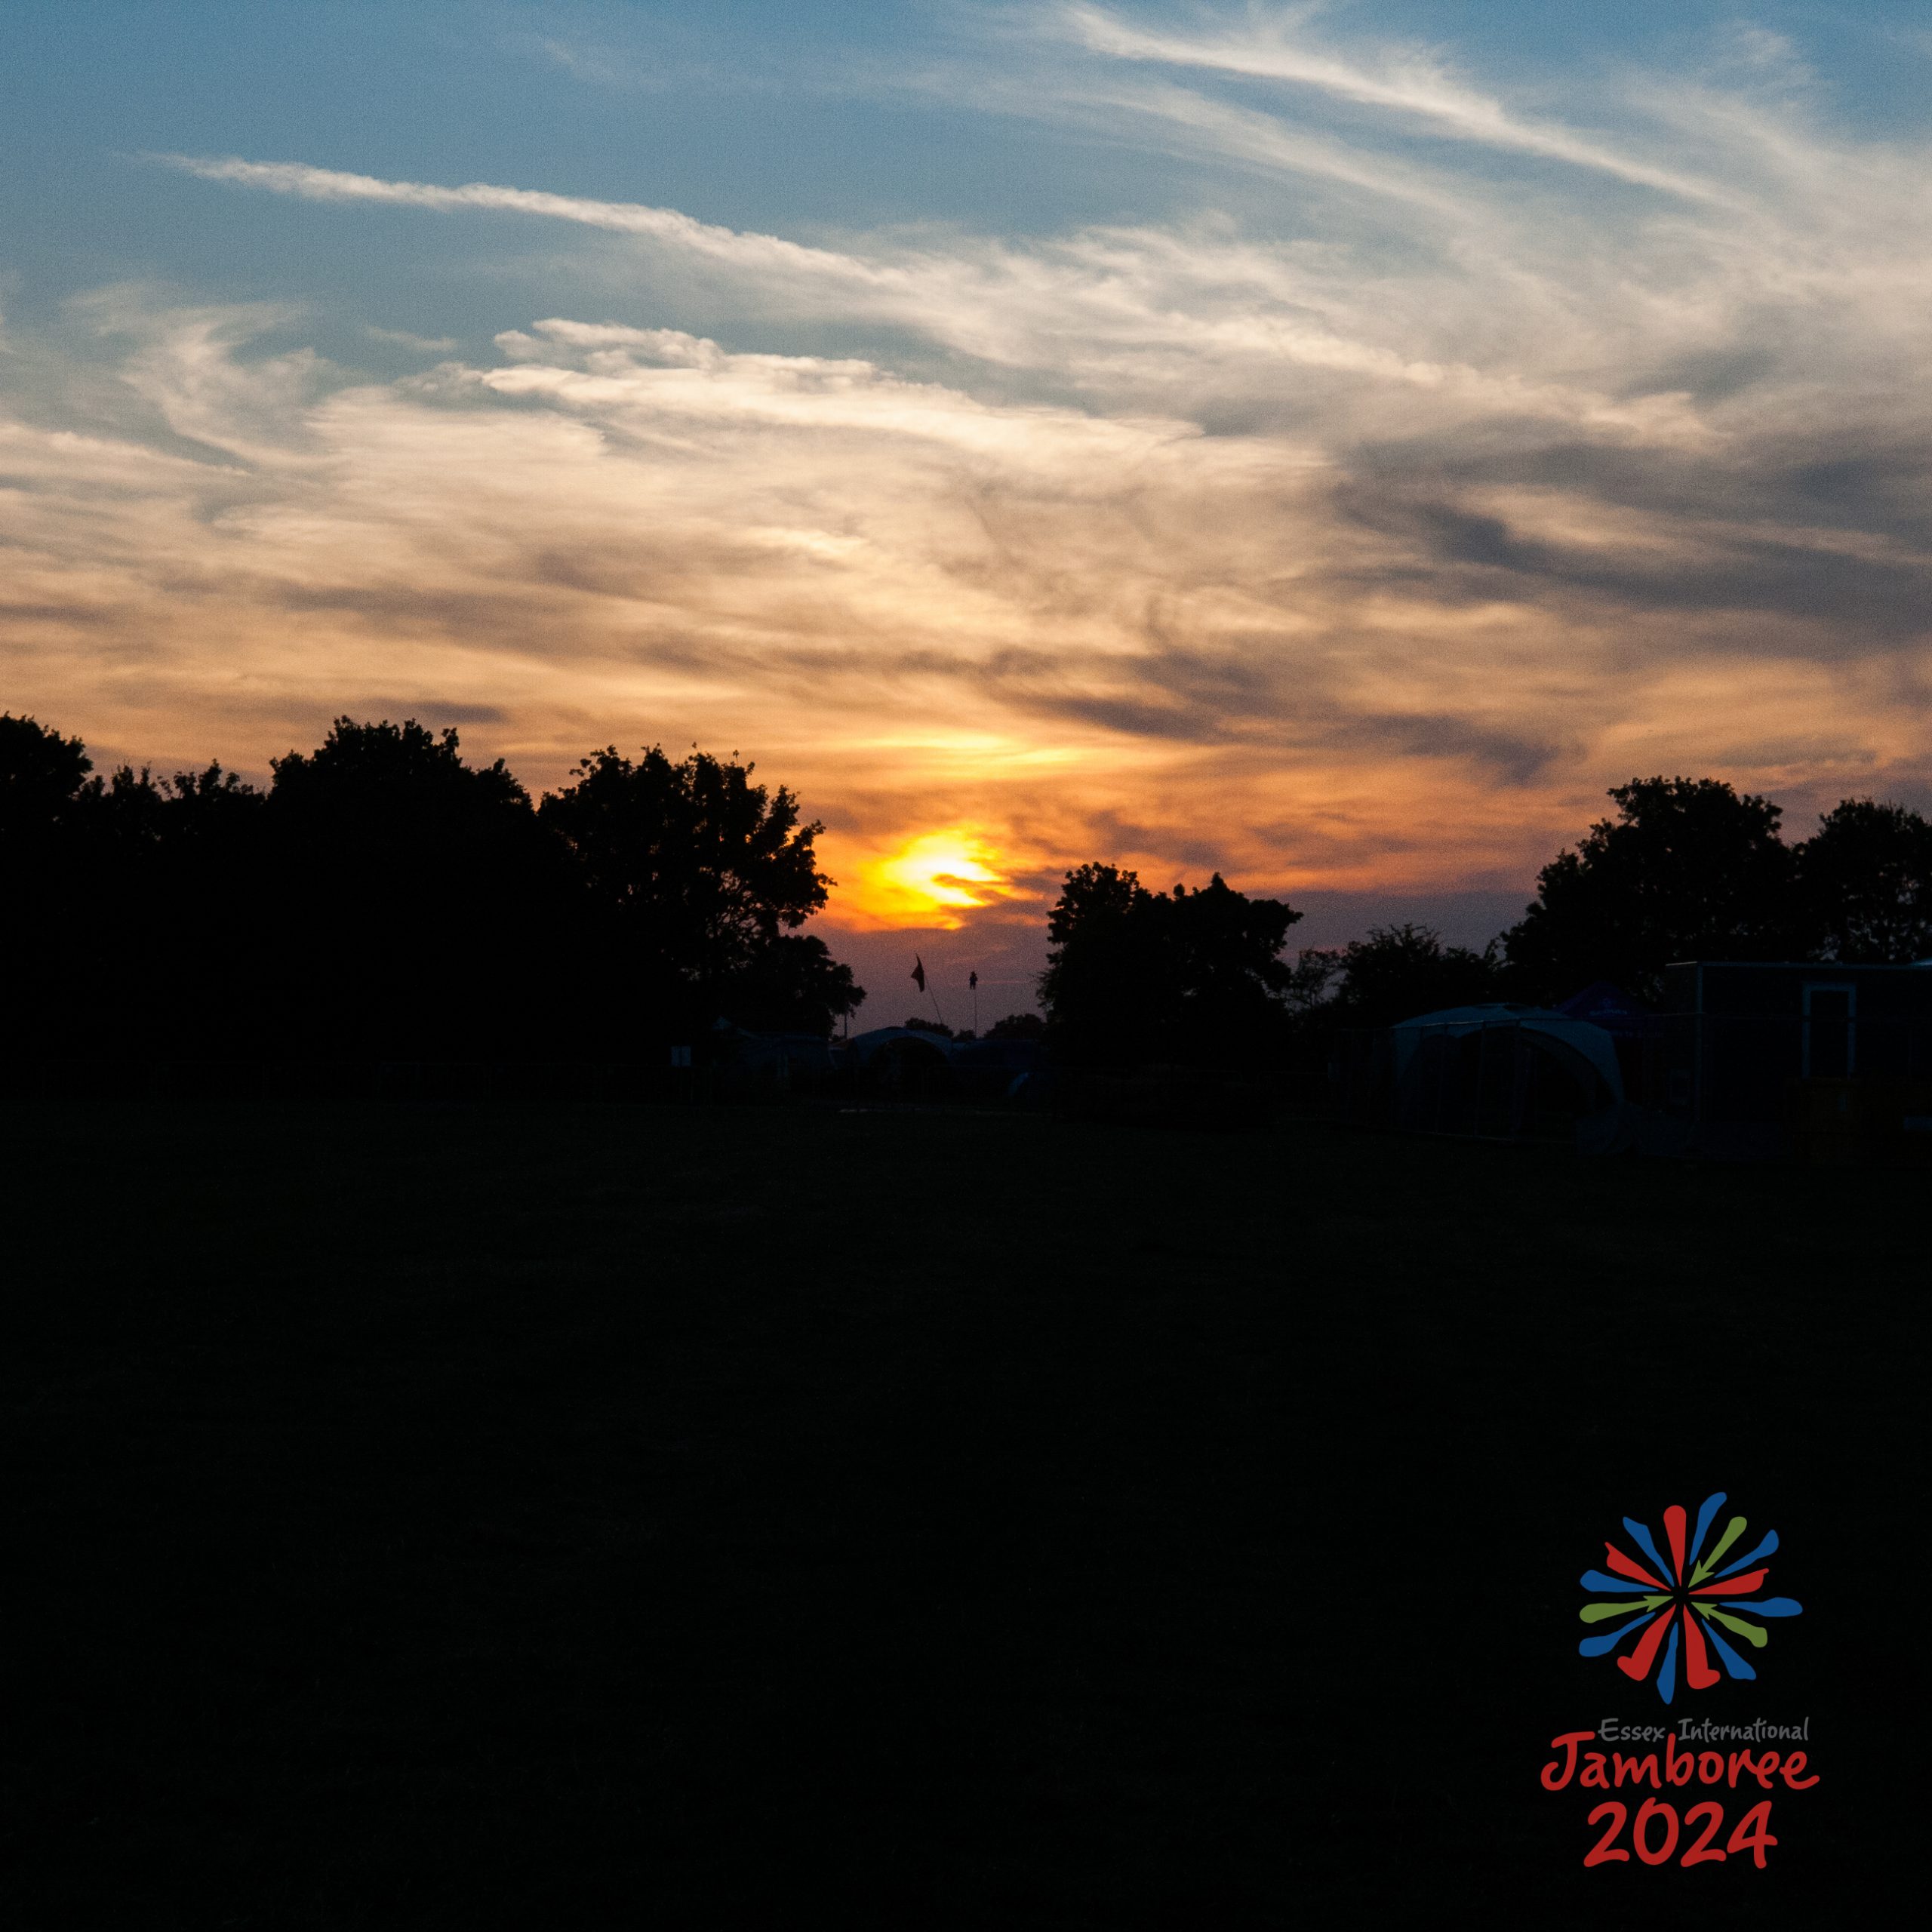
{"x": 932, "y": 880}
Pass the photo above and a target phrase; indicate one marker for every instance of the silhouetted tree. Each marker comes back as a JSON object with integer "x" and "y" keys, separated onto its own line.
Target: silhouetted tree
{"x": 1189, "y": 977}
{"x": 124, "y": 896}
{"x": 49, "y": 973}
{"x": 701, "y": 879}
{"x": 41, "y": 780}
{"x": 1018, "y": 1026}
{"x": 789, "y": 983}
{"x": 1689, "y": 868}
{"x": 208, "y": 902}
{"x": 1866, "y": 875}
{"x": 416, "y": 908}
{"x": 176, "y": 872}
{"x": 1395, "y": 974}
{"x": 387, "y": 899}
{"x": 1109, "y": 977}
{"x": 916, "y": 1025}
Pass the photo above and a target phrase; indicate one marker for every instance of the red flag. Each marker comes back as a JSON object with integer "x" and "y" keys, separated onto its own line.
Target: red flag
{"x": 919, "y": 971}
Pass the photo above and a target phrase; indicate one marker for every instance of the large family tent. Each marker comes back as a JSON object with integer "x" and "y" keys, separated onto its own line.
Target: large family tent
{"x": 1500, "y": 1070}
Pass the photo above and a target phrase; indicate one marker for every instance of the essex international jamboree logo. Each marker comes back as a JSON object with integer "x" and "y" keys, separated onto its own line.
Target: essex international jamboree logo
{"x": 1678, "y": 1608}
{"x": 1700, "y": 1601}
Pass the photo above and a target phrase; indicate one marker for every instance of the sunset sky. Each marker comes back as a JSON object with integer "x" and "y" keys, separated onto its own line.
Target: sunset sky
{"x": 1327, "y": 443}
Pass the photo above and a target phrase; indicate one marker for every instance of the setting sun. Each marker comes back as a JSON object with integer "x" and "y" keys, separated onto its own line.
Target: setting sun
{"x": 930, "y": 880}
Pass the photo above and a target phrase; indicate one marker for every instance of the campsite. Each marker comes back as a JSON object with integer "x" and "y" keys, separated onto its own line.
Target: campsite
{"x": 930, "y": 928}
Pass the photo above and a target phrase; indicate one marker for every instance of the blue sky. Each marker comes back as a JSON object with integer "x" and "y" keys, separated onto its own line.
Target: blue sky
{"x": 773, "y": 116}
{"x": 1330, "y": 443}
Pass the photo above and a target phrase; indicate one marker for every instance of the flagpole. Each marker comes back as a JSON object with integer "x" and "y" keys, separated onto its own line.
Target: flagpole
{"x": 919, "y": 978}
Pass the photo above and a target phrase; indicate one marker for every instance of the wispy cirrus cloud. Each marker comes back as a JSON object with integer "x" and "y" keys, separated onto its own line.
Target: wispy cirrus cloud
{"x": 1103, "y": 309}
{"x": 328, "y": 184}
{"x": 1411, "y": 83}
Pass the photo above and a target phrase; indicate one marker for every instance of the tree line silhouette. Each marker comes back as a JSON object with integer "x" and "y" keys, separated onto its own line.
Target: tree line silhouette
{"x": 383, "y": 899}
{"x": 1687, "y": 868}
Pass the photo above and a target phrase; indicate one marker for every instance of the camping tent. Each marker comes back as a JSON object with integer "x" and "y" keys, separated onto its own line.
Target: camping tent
{"x": 1607, "y": 1005}
{"x": 1502, "y": 1069}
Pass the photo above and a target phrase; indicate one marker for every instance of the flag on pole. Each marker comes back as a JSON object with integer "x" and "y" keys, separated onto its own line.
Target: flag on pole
{"x": 973, "y": 982}
{"x": 919, "y": 972}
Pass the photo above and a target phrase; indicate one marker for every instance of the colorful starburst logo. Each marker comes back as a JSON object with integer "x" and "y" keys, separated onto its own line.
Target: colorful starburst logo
{"x": 1688, "y": 1596}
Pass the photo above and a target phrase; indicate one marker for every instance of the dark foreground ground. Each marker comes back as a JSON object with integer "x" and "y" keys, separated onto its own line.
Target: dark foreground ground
{"x": 698, "y": 1517}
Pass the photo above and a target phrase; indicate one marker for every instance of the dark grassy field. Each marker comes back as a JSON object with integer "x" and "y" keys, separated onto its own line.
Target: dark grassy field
{"x": 516, "y": 1517}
